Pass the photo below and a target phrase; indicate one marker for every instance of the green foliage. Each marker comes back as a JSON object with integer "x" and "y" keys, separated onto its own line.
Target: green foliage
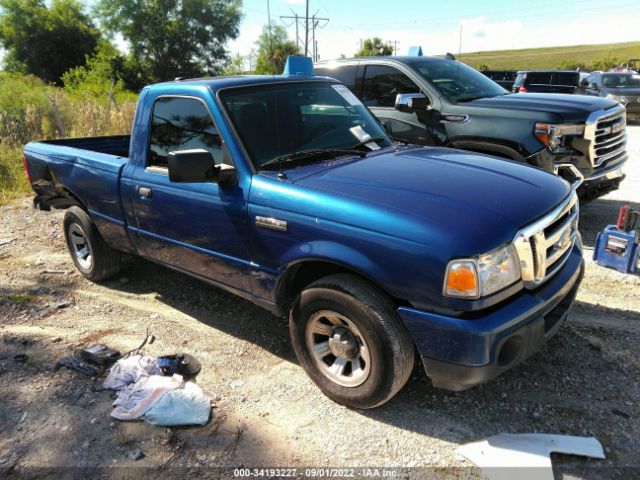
{"x": 173, "y": 38}
{"x": 571, "y": 65}
{"x": 235, "y": 66}
{"x": 45, "y": 41}
{"x": 373, "y": 47}
{"x": 101, "y": 78}
{"x": 599, "y": 57}
{"x": 274, "y": 49}
{"x": 31, "y": 110}
{"x": 484, "y": 66}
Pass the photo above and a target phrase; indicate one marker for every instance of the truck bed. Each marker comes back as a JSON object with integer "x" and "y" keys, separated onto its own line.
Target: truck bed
{"x": 80, "y": 170}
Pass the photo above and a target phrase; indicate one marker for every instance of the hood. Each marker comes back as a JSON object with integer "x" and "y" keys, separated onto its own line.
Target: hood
{"x": 571, "y": 108}
{"x": 475, "y": 200}
{"x": 622, "y": 91}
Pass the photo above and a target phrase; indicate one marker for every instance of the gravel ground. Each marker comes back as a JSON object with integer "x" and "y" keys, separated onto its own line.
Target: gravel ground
{"x": 267, "y": 413}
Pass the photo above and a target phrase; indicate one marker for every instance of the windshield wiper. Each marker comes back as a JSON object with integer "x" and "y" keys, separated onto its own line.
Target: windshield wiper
{"x": 372, "y": 139}
{"x": 469, "y": 99}
{"x": 304, "y": 155}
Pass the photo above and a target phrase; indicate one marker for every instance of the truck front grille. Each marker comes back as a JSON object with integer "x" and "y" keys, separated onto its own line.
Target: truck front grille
{"x": 607, "y": 135}
{"x": 544, "y": 246}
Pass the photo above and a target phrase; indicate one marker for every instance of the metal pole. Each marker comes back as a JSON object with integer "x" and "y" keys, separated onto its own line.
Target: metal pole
{"x": 306, "y": 30}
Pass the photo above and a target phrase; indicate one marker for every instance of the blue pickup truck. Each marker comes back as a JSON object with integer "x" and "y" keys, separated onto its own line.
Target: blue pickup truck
{"x": 288, "y": 192}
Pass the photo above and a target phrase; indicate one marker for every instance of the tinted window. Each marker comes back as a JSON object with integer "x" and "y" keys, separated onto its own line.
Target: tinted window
{"x": 520, "y": 79}
{"x": 569, "y": 79}
{"x": 539, "y": 78}
{"x": 280, "y": 118}
{"x": 383, "y": 83}
{"x": 345, "y": 73}
{"x": 621, "y": 80}
{"x": 181, "y": 124}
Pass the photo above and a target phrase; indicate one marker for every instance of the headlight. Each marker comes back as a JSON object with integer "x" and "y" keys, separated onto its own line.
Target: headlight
{"x": 617, "y": 98}
{"x": 552, "y": 136}
{"x": 479, "y": 277}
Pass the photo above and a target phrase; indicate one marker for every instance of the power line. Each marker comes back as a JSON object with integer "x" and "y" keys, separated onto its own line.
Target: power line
{"x": 316, "y": 22}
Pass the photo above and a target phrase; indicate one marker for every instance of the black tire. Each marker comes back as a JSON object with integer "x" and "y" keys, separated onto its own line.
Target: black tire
{"x": 389, "y": 345}
{"x": 104, "y": 261}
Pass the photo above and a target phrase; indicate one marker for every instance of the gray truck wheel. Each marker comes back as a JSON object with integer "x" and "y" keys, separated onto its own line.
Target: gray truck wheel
{"x": 91, "y": 255}
{"x": 350, "y": 341}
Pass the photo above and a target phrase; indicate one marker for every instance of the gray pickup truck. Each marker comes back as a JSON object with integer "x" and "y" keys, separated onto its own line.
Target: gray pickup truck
{"x": 441, "y": 101}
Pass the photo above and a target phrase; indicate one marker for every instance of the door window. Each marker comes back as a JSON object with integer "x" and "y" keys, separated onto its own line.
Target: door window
{"x": 383, "y": 83}
{"x": 181, "y": 124}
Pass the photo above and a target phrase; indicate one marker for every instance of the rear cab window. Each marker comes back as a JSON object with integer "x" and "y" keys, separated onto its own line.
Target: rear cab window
{"x": 344, "y": 73}
{"x": 180, "y": 123}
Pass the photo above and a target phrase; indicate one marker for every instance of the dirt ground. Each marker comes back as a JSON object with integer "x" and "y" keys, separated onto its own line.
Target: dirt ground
{"x": 267, "y": 413}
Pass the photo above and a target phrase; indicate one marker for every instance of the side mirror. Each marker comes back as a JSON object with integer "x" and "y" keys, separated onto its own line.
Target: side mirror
{"x": 593, "y": 86}
{"x": 410, "y": 102}
{"x": 197, "y": 166}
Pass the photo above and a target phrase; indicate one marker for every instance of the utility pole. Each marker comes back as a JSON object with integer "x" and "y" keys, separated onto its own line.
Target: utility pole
{"x": 306, "y": 30}
{"x": 395, "y": 46}
{"x": 316, "y": 22}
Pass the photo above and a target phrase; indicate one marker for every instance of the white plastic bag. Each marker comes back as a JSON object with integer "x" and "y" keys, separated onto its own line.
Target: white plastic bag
{"x": 186, "y": 405}
{"x": 129, "y": 370}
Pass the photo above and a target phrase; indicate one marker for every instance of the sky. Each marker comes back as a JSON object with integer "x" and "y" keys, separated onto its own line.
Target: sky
{"x": 436, "y": 25}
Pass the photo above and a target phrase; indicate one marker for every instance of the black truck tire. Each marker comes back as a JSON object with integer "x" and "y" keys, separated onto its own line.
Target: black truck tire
{"x": 91, "y": 255}
{"x": 350, "y": 341}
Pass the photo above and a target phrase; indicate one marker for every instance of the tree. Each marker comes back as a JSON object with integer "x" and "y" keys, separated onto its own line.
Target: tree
{"x": 274, "y": 49}
{"x": 235, "y": 66}
{"x": 374, "y": 47}
{"x": 483, "y": 66}
{"x": 174, "y": 38}
{"x": 45, "y": 41}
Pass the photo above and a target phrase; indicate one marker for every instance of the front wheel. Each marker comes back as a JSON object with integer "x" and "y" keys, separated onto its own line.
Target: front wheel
{"x": 350, "y": 341}
{"x": 91, "y": 255}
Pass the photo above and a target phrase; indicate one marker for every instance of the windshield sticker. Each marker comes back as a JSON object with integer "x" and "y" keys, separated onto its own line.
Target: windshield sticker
{"x": 347, "y": 94}
{"x": 364, "y": 137}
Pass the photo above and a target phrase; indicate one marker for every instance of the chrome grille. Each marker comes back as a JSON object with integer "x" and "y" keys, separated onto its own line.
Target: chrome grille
{"x": 607, "y": 134}
{"x": 544, "y": 246}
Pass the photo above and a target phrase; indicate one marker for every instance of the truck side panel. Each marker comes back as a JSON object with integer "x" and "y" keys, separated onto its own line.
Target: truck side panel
{"x": 63, "y": 176}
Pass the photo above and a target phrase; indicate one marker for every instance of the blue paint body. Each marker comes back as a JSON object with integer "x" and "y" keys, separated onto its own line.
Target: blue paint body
{"x": 395, "y": 217}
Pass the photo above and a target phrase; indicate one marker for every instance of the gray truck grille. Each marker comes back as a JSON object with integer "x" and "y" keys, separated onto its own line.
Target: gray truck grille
{"x": 544, "y": 246}
{"x": 607, "y": 135}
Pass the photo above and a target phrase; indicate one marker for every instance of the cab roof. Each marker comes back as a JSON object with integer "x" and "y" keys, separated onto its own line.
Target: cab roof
{"x": 217, "y": 83}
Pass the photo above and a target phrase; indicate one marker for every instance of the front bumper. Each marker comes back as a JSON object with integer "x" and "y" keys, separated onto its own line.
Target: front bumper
{"x": 459, "y": 353}
{"x": 597, "y": 181}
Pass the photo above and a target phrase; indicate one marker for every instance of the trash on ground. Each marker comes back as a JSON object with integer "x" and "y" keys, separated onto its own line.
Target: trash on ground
{"x": 129, "y": 370}
{"x": 135, "y": 454}
{"x": 180, "y": 363}
{"x": 500, "y": 455}
{"x": 164, "y": 401}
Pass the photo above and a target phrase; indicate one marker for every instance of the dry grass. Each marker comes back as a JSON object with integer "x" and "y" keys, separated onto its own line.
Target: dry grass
{"x": 30, "y": 110}
{"x": 552, "y": 57}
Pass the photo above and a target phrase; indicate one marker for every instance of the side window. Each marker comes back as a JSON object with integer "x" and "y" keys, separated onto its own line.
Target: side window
{"x": 345, "y": 73}
{"x": 382, "y": 84}
{"x": 539, "y": 78}
{"x": 181, "y": 124}
{"x": 590, "y": 79}
{"x": 566, "y": 79}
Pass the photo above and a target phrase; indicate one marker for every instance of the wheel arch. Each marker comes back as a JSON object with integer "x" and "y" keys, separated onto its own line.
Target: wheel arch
{"x": 303, "y": 272}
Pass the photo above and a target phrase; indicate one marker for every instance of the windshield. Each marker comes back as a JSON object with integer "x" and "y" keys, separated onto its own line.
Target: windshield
{"x": 278, "y": 119}
{"x": 457, "y": 81}
{"x": 621, "y": 80}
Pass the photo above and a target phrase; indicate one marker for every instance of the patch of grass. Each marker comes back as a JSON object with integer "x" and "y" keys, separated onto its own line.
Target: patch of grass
{"x": 551, "y": 57}
{"x": 17, "y": 298}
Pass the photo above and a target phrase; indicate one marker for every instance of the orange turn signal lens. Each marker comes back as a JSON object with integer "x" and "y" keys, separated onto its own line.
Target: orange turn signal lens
{"x": 462, "y": 279}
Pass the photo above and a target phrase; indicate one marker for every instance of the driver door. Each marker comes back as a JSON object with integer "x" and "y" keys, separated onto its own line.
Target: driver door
{"x": 381, "y": 84}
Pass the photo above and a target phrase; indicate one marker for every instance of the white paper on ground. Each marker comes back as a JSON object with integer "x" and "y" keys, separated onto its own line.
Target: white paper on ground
{"x": 499, "y": 455}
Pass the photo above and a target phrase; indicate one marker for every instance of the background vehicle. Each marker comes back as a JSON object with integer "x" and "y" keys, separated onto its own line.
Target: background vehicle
{"x": 621, "y": 87}
{"x": 504, "y": 78}
{"x": 453, "y": 105}
{"x": 287, "y": 192}
{"x": 547, "y": 81}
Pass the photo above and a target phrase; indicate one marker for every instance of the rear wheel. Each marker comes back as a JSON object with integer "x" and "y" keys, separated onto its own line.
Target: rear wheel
{"x": 91, "y": 255}
{"x": 350, "y": 341}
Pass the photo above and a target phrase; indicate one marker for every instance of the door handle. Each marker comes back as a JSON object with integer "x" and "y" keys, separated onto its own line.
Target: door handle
{"x": 145, "y": 192}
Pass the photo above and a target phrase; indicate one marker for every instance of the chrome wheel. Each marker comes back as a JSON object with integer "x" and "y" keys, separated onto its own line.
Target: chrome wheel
{"x": 80, "y": 246}
{"x": 338, "y": 348}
